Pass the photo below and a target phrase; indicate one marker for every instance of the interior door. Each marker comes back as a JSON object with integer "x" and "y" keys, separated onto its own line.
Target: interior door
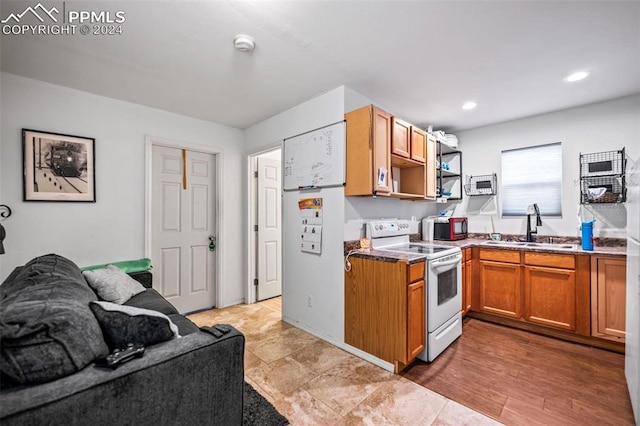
{"x": 269, "y": 229}
{"x": 182, "y": 220}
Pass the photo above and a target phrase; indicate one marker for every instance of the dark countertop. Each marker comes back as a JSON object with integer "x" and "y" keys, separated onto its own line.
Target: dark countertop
{"x": 470, "y": 242}
{"x": 386, "y": 256}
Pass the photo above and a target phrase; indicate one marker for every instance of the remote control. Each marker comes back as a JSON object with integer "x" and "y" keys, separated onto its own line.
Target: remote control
{"x": 212, "y": 330}
{"x": 120, "y": 356}
{"x": 223, "y": 328}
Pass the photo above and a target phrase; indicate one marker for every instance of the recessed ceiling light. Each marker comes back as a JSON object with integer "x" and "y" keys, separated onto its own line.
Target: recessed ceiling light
{"x": 244, "y": 43}
{"x": 576, "y": 76}
{"x": 469, "y": 105}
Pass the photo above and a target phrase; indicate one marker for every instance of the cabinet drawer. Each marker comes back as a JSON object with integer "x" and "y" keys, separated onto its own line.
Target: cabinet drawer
{"x": 415, "y": 272}
{"x": 508, "y": 256}
{"x": 566, "y": 261}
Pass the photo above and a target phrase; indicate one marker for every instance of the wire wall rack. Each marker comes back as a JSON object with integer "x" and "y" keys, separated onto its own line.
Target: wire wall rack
{"x": 481, "y": 185}
{"x": 602, "y": 177}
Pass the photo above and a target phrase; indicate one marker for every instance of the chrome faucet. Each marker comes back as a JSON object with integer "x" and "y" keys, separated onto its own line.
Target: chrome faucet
{"x": 533, "y": 209}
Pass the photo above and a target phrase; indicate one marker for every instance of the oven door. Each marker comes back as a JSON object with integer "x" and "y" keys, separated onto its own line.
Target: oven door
{"x": 444, "y": 281}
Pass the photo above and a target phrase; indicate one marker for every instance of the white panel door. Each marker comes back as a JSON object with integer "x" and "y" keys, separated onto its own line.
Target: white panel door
{"x": 182, "y": 219}
{"x": 269, "y": 229}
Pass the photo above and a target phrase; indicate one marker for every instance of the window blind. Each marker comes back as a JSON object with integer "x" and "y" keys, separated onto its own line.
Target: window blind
{"x": 532, "y": 175}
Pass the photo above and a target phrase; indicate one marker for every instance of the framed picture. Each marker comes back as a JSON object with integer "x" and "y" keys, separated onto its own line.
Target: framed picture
{"x": 58, "y": 167}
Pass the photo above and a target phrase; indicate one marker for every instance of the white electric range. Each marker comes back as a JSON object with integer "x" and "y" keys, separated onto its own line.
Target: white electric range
{"x": 443, "y": 278}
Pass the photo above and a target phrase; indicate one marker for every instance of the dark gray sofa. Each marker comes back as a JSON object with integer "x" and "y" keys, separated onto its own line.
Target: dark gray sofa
{"x": 195, "y": 379}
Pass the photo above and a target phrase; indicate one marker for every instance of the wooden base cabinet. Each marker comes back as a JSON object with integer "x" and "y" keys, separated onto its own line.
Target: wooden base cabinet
{"x": 467, "y": 280}
{"x": 608, "y": 297}
{"x": 416, "y": 319}
{"x": 500, "y": 283}
{"x": 550, "y": 297}
{"x": 542, "y": 289}
{"x": 385, "y": 309}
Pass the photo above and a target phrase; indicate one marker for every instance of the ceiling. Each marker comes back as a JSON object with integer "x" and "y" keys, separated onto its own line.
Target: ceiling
{"x": 420, "y": 60}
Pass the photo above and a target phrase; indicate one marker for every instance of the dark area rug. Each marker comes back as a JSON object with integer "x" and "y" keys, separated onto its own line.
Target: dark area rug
{"x": 258, "y": 411}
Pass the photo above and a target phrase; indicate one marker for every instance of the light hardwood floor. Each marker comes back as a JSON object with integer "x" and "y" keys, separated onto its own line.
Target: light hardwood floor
{"x": 521, "y": 378}
{"x": 314, "y": 383}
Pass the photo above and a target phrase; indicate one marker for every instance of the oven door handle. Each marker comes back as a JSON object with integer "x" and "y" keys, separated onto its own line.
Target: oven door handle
{"x": 437, "y": 264}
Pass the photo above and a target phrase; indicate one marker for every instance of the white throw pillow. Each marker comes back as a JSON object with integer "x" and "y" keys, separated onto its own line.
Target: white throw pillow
{"x": 112, "y": 284}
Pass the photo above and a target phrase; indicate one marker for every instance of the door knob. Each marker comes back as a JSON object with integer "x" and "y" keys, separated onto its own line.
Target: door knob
{"x": 212, "y": 243}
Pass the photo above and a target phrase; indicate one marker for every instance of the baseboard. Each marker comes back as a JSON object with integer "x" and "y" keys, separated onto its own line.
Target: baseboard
{"x": 348, "y": 348}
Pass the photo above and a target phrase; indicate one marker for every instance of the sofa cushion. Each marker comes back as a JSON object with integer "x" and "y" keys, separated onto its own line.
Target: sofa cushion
{"x": 122, "y": 325}
{"x": 112, "y": 284}
{"x": 151, "y": 299}
{"x": 47, "y": 330}
{"x": 185, "y": 325}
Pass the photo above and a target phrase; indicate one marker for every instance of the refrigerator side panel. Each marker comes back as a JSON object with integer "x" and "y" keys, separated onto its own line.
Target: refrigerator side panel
{"x": 633, "y": 198}
{"x": 632, "y": 348}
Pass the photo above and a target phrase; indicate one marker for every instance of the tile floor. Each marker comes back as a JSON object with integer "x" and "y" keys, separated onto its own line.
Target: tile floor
{"x": 312, "y": 382}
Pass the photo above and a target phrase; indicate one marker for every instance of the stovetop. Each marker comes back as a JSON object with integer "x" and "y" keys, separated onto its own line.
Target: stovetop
{"x": 393, "y": 236}
{"x": 430, "y": 251}
{"x": 417, "y": 248}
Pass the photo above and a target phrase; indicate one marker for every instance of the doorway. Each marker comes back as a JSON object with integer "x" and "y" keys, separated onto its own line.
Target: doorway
{"x": 182, "y": 224}
{"x": 265, "y": 213}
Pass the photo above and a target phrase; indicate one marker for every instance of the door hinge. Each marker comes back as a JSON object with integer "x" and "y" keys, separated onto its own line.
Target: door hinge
{"x": 255, "y": 174}
{"x": 255, "y": 281}
{"x": 255, "y": 228}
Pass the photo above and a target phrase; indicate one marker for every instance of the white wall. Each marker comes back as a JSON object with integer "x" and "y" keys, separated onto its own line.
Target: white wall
{"x": 112, "y": 229}
{"x": 597, "y": 127}
{"x": 304, "y": 274}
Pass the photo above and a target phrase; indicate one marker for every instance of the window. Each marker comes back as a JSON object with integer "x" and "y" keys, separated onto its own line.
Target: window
{"x": 532, "y": 175}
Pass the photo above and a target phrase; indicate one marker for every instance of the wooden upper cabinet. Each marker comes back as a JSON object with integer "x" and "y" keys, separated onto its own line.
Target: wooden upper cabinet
{"x": 418, "y": 144}
{"x": 368, "y": 151}
{"x": 381, "y": 157}
{"x": 430, "y": 169}
{"x": 401, "y": 138}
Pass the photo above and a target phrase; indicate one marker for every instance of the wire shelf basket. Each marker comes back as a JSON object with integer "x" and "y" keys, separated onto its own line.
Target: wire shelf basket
{"x": 602, "y": 177}
{"x": 602, "y": 163}
{"x": 604, "y": 189}
{"x": 481, "y": 185}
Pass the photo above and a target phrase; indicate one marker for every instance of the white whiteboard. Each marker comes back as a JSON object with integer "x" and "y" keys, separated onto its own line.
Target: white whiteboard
{"x": 315, "y": 159}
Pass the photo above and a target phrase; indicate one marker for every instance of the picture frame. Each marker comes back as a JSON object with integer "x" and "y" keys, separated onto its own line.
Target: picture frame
{"x": 58, "y": 167}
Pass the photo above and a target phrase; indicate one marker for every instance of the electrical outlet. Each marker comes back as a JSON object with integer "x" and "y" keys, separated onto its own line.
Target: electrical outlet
{"x": 309, "y": 301}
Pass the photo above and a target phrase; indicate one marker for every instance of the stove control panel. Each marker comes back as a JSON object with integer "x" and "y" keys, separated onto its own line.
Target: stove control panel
{"x": 386, "y": 228}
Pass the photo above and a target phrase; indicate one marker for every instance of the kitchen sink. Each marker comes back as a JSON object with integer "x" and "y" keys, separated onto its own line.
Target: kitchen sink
{"x": 505, "y": 243}
{"x": 525, "y": 244}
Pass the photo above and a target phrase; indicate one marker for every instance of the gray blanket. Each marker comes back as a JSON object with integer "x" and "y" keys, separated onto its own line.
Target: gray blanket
{"x": 47, "y": 330}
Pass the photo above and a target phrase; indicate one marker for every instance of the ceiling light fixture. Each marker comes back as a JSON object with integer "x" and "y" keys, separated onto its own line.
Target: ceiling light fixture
{"x": 469, "y": 105}
{"x": 244, "y": 43}
{"x": 576, "y": 76}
